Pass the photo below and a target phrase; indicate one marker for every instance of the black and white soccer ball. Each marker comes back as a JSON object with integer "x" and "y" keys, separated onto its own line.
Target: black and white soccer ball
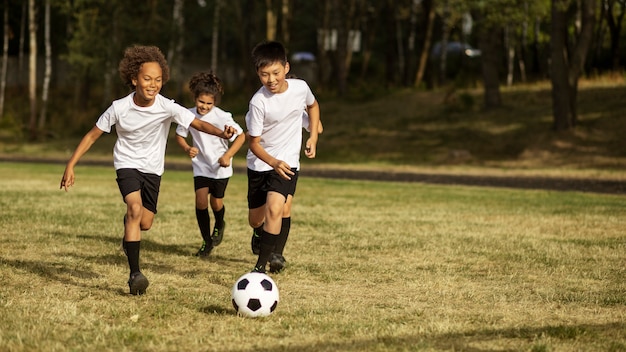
{"x": 255, "y": 295}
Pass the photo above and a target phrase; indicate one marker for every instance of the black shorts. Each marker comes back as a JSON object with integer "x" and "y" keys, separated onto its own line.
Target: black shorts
{"x": 259, "y": 183}
{"x": 216, "y": 186}
{"x": 131, "y": 180}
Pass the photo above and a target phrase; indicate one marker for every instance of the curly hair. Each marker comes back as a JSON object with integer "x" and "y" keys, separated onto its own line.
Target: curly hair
{"x": 206, "y": 83}
{"x": 137, "y": 55}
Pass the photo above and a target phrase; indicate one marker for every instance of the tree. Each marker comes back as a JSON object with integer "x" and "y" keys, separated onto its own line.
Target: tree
{"x": 614, "y": 21}
{"x": 5, "y": 56}
{"x": 48, "y": 69}
{"x": 568, "y": 55}
{"x": 429, "y": 19}
{"x": 32, "y": 67}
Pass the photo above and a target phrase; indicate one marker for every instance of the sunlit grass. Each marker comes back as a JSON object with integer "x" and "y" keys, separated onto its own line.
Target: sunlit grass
{"x": 371, "y": 266}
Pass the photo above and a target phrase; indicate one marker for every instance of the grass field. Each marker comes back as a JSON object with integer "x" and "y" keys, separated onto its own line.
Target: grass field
{"x": 372, "y": 266}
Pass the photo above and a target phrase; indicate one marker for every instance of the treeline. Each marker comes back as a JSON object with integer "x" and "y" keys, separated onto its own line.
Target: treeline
{"x": 60, "y": 56}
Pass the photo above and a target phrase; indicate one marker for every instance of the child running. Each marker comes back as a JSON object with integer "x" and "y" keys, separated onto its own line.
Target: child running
{"x": 211, "y": 157}
{"x": 142, "y": 122}
{"x": 274, "y": 122}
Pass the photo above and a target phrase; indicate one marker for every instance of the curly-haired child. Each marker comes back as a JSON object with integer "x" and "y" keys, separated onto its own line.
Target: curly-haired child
{"x": 142, "y": 122}
{"x": 211, "y": 157}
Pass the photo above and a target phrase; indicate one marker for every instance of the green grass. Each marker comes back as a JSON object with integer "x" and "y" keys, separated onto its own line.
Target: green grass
{"x": 371, "y": 266}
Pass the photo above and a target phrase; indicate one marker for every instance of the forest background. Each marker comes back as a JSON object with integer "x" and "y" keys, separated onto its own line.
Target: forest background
{"x": 59, "y": 64}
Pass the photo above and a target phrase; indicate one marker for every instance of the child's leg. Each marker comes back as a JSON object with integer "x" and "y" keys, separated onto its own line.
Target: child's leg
{"x": 285, "y": 227}
{"x": 137, "y": 218}
{"x": 256, "y": 218}
{"x": 219, "y": 210}
{"x": 271, "y": 229}
{"x": 204, "y": 221}
{"x": 202, "y": 213}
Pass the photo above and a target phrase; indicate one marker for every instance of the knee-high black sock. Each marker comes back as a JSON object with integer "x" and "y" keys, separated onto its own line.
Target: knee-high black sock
{"x": 281, "y": 241}
{"x": 204, "y": 223}
{"x": 132, "y": 252}
{"x": 268, "y": 241}
{"x": 219, "y": 217}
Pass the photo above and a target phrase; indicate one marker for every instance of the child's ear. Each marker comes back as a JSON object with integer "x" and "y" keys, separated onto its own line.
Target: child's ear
{"x": 134, "y": 82}
{"x": 287, "y": 67}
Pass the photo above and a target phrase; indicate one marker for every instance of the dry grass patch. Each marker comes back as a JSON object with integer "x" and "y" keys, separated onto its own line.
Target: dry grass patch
{"x": 371, "y": 266}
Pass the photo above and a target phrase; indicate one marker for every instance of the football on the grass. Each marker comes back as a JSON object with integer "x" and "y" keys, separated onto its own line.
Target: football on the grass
{"x": 255, "y": 295}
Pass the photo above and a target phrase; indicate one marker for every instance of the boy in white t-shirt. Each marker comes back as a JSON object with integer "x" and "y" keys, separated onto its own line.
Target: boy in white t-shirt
{"x": 211, "y": 157}
{"x": 142, "y": 122}
{"x": 274, "y": 124}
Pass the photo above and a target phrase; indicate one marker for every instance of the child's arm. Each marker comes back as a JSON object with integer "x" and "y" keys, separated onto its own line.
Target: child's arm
{"x": 206, "y": 127}
{"x": 224, "y": 160}
{"x": 182, "y": 142}
{"x": 282, "y": 168}
{"x": 88, "y": 140}
{"x": 314, "y": 117}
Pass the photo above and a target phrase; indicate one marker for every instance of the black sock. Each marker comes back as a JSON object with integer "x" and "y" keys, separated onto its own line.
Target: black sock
{"x": 132, "y": 252}
{"x": 258, "y": 230}
{"x": 268, "y": 241}
{"x": 219, "y": 217}
{"x": 204, "y": 223}
{"x": 282, "y": 237}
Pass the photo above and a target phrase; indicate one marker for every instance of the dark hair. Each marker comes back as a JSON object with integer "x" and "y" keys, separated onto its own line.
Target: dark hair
{"x": 137, "y": 55}
{"x": 268, "y": 53}
{"x": 206, "y": 83}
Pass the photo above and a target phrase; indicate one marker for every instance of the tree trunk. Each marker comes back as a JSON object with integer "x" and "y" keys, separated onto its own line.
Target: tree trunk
{"x": 423, "y": 60}
{"x": 510, "y": 56}
{"x": 176, "y": 45}
{"x": 566, "y": 68}
{"x": 48, "y": 69}
{"x": 5, "y": 57}
{"x": 23, "y": 24}
{"x": 284, "y": 22}
{"x": 443, "y": 53}
{"x": 215, "y": 34}
{"x": 615, "y": 28}
{"x": 271, "y": 20}
{"x": 32, "y": 67}
{"x": 490, "y": 46}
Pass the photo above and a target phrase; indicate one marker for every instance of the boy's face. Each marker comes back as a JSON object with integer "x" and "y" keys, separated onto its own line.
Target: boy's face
{"x": 273, "y": 77}
{"x": 204, "y": 103}
{"x": 148, "y": 83}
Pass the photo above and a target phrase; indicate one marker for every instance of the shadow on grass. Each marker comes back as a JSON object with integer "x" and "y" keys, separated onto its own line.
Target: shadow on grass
{"x": 608, "y": 337}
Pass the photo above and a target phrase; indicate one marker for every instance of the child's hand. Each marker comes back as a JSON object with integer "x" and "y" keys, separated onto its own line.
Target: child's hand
{"x": 67, "y": 180}
{"x": 229, "y": 131}
{"x": 283, "y": 169}
{"x": 193, "y": 151}
{"x": 224, "y": 161}
{"x": 310, "y": 149}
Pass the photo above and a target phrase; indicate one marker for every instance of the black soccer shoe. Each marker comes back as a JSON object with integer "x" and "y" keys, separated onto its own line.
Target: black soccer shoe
{"x": 277, "y": 263}
{"x": 259, "y": 269}
{"x": 218, "y": 235}
{"x": 204, "y": 250}
{"x": 138, "y": 283}
{"x": 255, "y": 243}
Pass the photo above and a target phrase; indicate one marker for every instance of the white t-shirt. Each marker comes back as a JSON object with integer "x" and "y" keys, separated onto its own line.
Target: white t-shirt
{"x": 277, "y": 119}
{"x": 210, "y": 147}
{"x": 142, "y": 131}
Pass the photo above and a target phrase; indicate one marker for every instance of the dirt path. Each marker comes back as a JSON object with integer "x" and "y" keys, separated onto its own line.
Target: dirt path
{"x": 520, "y": 182}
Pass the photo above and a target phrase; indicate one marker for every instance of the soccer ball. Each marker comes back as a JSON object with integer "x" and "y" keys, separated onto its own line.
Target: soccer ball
{"x": 254, "y": 295}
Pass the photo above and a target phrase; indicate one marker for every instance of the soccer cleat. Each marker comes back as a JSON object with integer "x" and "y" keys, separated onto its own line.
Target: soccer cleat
{"x": 259, "y": 269}
{"x": 218, "y": 235}
{"x": 204, "y": 250}
{"x": 277, "y": 263}
{"x": 255, "y": 243}
{"x": 138, "y": 283}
